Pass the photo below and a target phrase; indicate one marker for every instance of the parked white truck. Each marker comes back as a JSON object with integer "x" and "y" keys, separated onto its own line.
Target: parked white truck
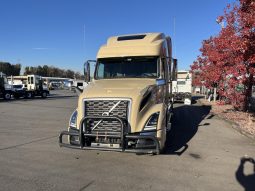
{"x": 182, "y": 87}
{"x": 35, "y": 87}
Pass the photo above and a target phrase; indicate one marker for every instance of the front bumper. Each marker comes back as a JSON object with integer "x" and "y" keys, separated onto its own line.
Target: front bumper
{"x": 83, "y": 136}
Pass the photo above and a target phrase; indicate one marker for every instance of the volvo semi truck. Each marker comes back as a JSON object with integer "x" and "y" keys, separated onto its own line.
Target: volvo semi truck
{"x": 127, "y": 106}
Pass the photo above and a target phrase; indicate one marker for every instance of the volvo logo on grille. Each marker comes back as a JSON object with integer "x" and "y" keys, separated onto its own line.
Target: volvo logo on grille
{"x": 106, "y": 114}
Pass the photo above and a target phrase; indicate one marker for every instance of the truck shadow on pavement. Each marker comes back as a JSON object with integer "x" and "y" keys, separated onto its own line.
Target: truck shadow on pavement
{"x": 247, "y": 181}
{"x": 186, "y": 120}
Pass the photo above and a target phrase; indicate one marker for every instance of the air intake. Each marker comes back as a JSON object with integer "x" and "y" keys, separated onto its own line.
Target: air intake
{"x": 133, "y": 37}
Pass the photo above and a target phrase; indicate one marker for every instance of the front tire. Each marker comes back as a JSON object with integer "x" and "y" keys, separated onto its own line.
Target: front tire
{"x": 7, "y": 96}
{"x": 29, "y": 95}
{"x": 168, "y": 125}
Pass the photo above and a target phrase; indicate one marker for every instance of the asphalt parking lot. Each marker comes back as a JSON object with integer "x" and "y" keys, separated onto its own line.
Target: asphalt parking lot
{"x": 203, "y": 153}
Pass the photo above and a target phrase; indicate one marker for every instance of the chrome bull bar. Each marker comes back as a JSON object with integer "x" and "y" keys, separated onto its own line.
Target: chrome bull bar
{"x": 124, "y": 137}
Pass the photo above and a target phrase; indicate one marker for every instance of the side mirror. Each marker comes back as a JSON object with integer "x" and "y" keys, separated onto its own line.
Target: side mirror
{"x": 174, "y": 69}
{"x": 87, "y": 70}
{"x": 160, "y": 82}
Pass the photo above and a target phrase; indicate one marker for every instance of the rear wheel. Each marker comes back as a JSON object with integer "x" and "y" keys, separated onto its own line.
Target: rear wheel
{"x": 44, "y": 94}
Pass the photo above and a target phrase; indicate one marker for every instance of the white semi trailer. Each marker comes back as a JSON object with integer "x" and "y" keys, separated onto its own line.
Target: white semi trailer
{"x": 182, "y": 87}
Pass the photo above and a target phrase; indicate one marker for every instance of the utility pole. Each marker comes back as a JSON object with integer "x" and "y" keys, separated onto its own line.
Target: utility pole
{"x": 84, "y": 39}
{"x": 221, "y": 23}
{"x": 174, "y": 44}
{"x": 214, "y": 94}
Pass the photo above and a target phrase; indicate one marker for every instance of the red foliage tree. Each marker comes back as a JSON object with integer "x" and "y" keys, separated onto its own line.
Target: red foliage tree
{"x": 228, "y": 59}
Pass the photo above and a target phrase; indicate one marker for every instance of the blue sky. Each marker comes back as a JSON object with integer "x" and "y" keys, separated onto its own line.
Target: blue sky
{"x": 38, "y": 32}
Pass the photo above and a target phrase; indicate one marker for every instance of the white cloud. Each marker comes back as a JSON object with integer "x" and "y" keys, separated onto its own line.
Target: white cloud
{"x": 41, "y": 48}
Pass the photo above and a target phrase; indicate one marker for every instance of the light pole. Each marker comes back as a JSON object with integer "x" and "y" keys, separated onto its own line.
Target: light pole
{"x": 221, "y": 23}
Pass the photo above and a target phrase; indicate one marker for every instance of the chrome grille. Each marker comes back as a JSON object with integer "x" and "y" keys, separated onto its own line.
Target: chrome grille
{"x": 97, "y": 108}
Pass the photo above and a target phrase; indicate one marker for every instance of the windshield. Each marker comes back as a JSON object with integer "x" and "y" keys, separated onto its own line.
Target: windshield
{"x": 132, "y": 67}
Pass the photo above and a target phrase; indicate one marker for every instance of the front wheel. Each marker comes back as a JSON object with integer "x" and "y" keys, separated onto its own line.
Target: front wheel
{"x": 29, "y": 95}
{"x": 44, "y": 94}
{"x": 7, "y": 96}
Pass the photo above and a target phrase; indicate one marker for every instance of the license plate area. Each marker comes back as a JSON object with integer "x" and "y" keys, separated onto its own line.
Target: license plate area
{"x": 105, "y": 145}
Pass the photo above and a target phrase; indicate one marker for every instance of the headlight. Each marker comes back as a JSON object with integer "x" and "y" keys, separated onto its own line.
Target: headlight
{"x": 152, "y": 122}
{"x": 157, "y": 94}
{"x": 73, "y": 119}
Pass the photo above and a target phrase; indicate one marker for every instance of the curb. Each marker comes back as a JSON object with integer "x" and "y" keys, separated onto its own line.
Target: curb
{"x": 237, "y": 127}
{"x": 233, "y": 124}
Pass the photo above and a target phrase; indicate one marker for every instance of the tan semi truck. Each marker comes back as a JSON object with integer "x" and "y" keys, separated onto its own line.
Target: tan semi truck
{"x": 126, "y": 107}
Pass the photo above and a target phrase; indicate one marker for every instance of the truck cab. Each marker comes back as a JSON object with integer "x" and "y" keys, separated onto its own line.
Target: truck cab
{"x": 126, "y": 106}
{"x": 5, "y": 89}
{"x": 36, "y": 87}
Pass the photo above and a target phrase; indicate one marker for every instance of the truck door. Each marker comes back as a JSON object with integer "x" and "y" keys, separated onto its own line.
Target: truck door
{"x": 30, "y": 82}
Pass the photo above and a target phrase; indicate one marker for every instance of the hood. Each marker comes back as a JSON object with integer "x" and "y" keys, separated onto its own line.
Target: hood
{"x": 122, "y": 88}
